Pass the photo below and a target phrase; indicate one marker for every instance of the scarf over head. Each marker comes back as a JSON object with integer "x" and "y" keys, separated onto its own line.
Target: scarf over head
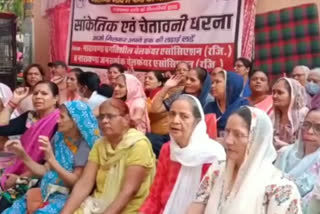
{"x": 234, "y": 84}
{"x": 200, "y": 150}
{"x": 254, "y": 174}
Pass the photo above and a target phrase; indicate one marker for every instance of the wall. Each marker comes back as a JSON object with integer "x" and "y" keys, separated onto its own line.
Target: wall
{"x": 264, "y": 6}
{"x": 41, "y": 36}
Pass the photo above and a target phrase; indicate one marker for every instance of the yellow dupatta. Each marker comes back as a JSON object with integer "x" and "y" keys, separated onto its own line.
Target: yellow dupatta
{"x": 114, "y": 165}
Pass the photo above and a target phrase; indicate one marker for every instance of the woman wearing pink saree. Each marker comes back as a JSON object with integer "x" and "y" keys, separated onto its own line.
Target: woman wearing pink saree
{"x": 260, "y": 97}
{"x": 129, "y": 89}
{"x": 31, "y": 76}
{"x": 32, "y": 124}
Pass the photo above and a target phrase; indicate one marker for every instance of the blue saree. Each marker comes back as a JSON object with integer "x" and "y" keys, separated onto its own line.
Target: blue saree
{"x": 88, "y": 127}
{"x": 234, "y": 84}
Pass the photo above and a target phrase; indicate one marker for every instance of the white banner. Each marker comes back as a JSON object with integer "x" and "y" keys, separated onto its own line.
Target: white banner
{"x": 155, "y": 34}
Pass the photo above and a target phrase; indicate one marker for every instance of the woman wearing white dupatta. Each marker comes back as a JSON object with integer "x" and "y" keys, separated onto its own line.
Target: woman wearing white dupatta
{"x": 247, "y": 183}
{"x": 183, "y": 160}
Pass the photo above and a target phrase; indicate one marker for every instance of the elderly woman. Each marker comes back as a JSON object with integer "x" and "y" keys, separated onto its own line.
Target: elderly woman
{"x": 226, "y": 89}
{"x": 120, "y": 169}
{"x": 300, "y": 73}
{"x": 260, "y": 97}
{"x": 129, "y": 89}
{"x": 64, "y": 163}
{"x": 31, "y": 125}
{"x": 301, "y": 160}
{"x": 196, "y": 82}
{"x": 289, "y": 106}
{"x": 33, "y": 74}
{"x": 313, "y": 88}
{"x": 247, "y": 182}
{"x": 184, "y": 160}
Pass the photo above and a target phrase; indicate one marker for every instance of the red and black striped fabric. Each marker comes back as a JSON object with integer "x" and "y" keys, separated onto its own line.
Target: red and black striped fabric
{"x": 287, "y": 38}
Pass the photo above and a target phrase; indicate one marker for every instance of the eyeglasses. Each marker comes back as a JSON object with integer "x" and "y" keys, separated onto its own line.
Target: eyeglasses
{"x": 108, "y": 116}
{"x": 315, "y": 127}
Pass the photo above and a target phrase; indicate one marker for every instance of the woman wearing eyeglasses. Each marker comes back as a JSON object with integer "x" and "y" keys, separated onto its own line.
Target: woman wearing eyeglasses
{"x": 243, "y": 66}
{"x": 302, "y": 159}
{"x": 247, "y": 182}
{"x": 120, "y": 169}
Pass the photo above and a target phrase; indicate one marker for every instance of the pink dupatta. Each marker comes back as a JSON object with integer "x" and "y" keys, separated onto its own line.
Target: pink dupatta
{"x": 29, "y": 140}
{"x": 136, "y": 99}
{"x": 266, "y": 105}
{"x": 296, "y": 113}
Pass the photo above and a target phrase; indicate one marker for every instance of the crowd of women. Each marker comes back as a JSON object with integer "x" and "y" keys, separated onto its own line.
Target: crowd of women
{"x": 193, "y": 142}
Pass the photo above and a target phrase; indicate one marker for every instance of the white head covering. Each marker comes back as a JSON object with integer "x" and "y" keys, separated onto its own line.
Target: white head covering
{"x": 200, "y": 150}
{"x": 5, "y": 93}
{"x": 246, "y": 195}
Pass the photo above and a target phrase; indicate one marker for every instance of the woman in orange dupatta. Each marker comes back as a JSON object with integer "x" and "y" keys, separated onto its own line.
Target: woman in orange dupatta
{"x": 260, "y": 88}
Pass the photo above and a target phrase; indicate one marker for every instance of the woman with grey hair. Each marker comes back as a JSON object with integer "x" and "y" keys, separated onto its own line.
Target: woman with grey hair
{"x": 300, "y": 73}
{"x": 184, "y": 160}
{"x": 313, "y": 88}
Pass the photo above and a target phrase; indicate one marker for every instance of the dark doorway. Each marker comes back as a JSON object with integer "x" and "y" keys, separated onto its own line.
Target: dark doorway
{"x": 8, "y": 56}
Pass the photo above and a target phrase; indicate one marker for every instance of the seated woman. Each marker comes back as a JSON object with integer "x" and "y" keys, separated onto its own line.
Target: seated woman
{"x": 64, "y": 162}
{"x": 92, "y": 92}
{"x": 32, "y": 124}
{"x": 129, "y": 89}
{"x": 115, "y": 70}
{"x": 247, "y": 182}
{"x": 226, "y": 89}
{"x": 184, "y": 160}
{"x": 300, "y": 160}
{"x": 72, "y": 84}
{"x": 179, "y": 76}
{"x": 120, "y": 169}
{"x": 33, "y": 74}
{"x": 260, "y": 97}
{"x": 154, "y": 81}
{"x": 197, "y": 83}
{"x": 313, "y": 88}
{"x": 243, "y": 66}
{"x": 289, "y": 107}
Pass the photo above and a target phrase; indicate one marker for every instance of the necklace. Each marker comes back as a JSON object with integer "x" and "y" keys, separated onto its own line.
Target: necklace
{"x": 71, "y": 145}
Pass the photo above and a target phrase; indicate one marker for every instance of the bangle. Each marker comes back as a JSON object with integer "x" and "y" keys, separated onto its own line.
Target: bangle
{"x": 12, "y": 104}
